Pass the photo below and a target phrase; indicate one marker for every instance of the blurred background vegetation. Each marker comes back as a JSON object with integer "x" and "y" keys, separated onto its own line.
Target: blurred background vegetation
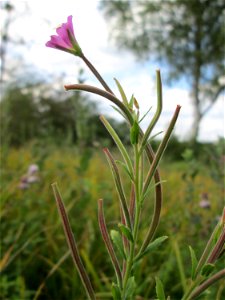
{"x": 53, "y": 136}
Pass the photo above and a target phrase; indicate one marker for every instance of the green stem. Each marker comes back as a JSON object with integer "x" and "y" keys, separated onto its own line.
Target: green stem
{"x": 136, "y": 219}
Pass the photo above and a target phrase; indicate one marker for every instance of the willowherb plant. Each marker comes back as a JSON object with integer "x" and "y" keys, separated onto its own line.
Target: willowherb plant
{"x": 125, "y": 238}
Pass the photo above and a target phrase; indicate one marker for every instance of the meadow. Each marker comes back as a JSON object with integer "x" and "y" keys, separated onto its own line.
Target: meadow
{"x": 35, "y": 261}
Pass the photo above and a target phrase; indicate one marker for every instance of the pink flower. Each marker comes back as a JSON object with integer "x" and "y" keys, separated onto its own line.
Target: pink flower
{"x": 65, "y": 39}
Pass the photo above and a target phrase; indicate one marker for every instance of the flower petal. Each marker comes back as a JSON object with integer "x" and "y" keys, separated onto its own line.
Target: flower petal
{"x": 57, "y": 42}
{"x": 63, "y": 30}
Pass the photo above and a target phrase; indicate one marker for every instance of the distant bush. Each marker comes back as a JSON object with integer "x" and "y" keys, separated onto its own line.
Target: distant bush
{"x": 75, "y": 119}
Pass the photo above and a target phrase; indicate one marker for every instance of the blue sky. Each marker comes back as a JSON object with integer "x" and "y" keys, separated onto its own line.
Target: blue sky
{"x": 92, "y": 33}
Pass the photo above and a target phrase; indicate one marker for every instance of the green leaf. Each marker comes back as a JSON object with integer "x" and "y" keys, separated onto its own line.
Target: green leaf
{"x": 117, "y": 240}
{"x": 122, "y": 93}
{"x": 116, "y": 292}
{"x": 207, "y": 270}
{"x": 130, "y": 288}
{"x": 134, "y": 133}
{"x": 152, "y": 246}
{"x": 159, "y": 289}
{"x": 119, "y": 144}
{"x": 194, "y": 263}
{"x": 126, "y": 232}
{"x": 145, "y": 115}
{"x": 124, "y": 166}
{"x": 153, "y": 187}
{"x": 119, "y": 111}
{"x": 131, "y": 103}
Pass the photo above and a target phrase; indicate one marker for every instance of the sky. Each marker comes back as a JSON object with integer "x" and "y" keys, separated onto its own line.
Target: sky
{"x": 92, "y": 33}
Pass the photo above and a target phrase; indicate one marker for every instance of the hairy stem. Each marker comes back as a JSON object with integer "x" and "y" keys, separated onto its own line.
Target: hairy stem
{"x": 72, "y": 243}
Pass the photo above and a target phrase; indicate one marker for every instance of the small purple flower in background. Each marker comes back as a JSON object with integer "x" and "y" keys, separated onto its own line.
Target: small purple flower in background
{"x": 65, "y": 39}
{"x": 30, "y": 177}
{"x": 204, "y": 203}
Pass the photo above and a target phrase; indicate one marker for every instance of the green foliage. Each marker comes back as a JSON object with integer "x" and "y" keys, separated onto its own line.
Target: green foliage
{"x": 194, "y": 263}
{"x": 118, "y": 242}
{"x": 130, "y": 289}
{"x": 41, "y": 244}
{"x": 26, "y": 116}
{"x": 159, "y": 289}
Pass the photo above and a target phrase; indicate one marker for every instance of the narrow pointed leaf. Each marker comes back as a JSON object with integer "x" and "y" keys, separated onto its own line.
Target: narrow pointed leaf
{"x": 119, "y": 144}
{"x": 159, "y": 289}
{"x": 134, "y": 133}
{"x": 158, "y": 110}
{"x": 194, "y": 263}
{"x": 145, "y": 115}
{"x": 116, "y": 292}
{"x": 119, "y": 111}
{"x": 152, "y": 246}
{"x": 130, "y": 288}
{"x": 122, "y": 93}
{"x": 119, "y": 187}
{"x": 126, "y": 231}
{"x": 131, "y": 103}
{"x": 125, "y": 168}
{"x": 118, "y": 242}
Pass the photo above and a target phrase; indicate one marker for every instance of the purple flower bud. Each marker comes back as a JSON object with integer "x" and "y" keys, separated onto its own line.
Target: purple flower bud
{"x": 65, "y": 39}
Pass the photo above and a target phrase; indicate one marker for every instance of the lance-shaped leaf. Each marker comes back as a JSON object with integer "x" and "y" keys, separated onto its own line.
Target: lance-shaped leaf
{"x": 131, "y": 103}
{"x": 158, "y": 110}
{"x": 122, "y": 93}
{"x": 119, "y": 186}
{"x": 125, "y": 168}
{"x": 108, "y": 243}
{"x": 134, "y": 133}
{"x": 144, "y": 115}
{"x": 130, "y": 288}
{"x": 117, "y": 240}
{"x": 159, "y": 289}
{"x": 194, "y": 263}
{"x": 72, "y": 243}
{"x": 119, "y": 144}
{"x": 126, "y": 232}
{"x": 116, "y": 292}
{"x": 152, "y": 246}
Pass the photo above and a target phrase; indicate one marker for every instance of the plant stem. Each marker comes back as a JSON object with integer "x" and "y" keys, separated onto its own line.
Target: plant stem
{"x": 108, "y": 243}
{"x": 72, "y": 243}
{"x": 136, "y": 219}
{"x": 219, "y": 275}
{"x": 155, "y": 162}
{"x": 96, "y": 73}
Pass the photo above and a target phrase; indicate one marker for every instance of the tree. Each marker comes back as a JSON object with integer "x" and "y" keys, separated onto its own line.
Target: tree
{"x": 187, "y": 35}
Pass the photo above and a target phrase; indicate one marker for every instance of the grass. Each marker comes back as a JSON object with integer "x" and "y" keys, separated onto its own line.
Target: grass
{"x": 35, "y": 263}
